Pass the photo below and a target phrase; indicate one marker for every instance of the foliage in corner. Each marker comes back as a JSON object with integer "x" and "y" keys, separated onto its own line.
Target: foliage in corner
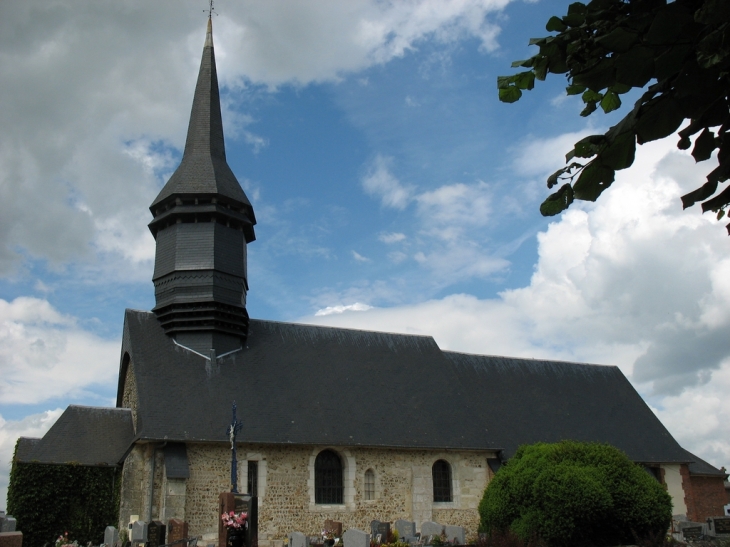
{"x": 574, "y": 494}
{"x": 49, "y": 500}
{"x": 607, "y": 47}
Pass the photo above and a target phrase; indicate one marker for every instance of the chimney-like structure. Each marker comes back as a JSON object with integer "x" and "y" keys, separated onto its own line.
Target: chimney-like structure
{"x": 202, "y": 224}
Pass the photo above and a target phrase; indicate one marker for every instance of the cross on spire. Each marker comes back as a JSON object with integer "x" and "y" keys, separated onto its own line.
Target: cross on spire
{"x": 210, "y": 10}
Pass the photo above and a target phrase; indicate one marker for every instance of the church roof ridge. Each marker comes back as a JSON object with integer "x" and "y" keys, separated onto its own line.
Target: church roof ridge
{"x": 527, "y": 360}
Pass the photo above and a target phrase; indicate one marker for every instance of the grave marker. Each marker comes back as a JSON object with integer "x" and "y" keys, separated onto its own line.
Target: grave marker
{"x": 177, "y": 530}
{"x": 405, "y": 528}
{"x": 356, "y": 538}
{"x": 455, "y": 533}
{"x": 11, "y": 539}
{"x": 719, "y": 526}
{"x": 111, "y": 536}
{"x": 156, "y": 533}
{"x": 139, "y": 532}
{"x": 380, "y": 531}
{"x": 8, "y": 525}
{"x": 430, "y": 528}
{"x": 297, "y": 539}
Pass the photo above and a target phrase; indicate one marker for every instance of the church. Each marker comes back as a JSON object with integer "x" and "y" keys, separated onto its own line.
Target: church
{"x": 337, "y": 424}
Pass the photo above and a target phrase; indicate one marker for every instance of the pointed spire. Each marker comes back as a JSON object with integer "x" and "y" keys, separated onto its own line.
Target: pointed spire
{"x": 209, "y": 34}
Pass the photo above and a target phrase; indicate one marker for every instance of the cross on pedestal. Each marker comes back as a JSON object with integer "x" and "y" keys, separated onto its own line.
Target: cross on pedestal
{"x": 232, "y": 431}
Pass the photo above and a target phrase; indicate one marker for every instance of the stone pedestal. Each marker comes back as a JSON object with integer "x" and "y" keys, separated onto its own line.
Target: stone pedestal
{"x": 11, "y": 539}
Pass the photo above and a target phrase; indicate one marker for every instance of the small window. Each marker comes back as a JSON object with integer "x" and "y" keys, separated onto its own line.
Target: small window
{"x": 328, "y": 478}
{"x": 253, "y": 478}
{"x": 369, "y": 485}
{"x": 441, "y": 472}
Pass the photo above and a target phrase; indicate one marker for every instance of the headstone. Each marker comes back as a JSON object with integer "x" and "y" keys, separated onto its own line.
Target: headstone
{"x": 139, "y": 532}
{"x": 692, "y": 530}
{"x": 111, "y": 536}
{"x": 334, "y": 527}
{"x": 430, "y": 528}
{"x": 380, "y": 531}
{"x": 176, "y": 530}
{"x": 156, "y": 533}
{"x": 405, "y": 529}
{"x": 719, "y": 526}
{"x": 8, "y": 524}
{"x": 356, "y": 538}
{"x": 455, "y": 534}
{"x": 297, "y": 539}
{"x": 227, "y": 502}
{"x": 11, "y": 539}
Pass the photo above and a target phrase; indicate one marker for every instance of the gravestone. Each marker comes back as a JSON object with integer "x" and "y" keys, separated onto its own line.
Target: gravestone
{"x": 355, "y": 538}
{"x": 719, "y": 526}
{"x": 8, "y": 524}
{"x": 177, "y": 530}
{"x": 334, "y": 527}
{"x": 455, "y": 534}
{"x": 229, "y": 501}
{"x": 111, "y": 536}
{"x": 382, "y": 529}
{"x": 139, "y": 532}
{"x": 297, "y": 539}
{"x": 11, "y": 539}
{"x": 430, "y": 528}
{"x": 156, "y": 533}
{"x": 692, "y": 530}
{"x": 405, "y": 529}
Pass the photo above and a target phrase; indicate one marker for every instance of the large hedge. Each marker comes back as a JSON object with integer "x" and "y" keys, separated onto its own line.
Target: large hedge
{"x": 48, "y": 500}
{"x": 575, "y": 494}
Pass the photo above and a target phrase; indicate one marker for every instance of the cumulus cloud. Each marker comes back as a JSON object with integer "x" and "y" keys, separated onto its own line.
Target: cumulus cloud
{"x": 34, "y": 426}
{"x": 393, "y": 237}
{"x": 631, "y": 280}
{"x": 40, "y": 347}
{"x": 357, "y": 306}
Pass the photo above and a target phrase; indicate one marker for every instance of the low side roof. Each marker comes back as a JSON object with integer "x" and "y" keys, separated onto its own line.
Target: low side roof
{"x": 300, "y": 384}
{"x": 698, "y": 466}
{"x": 528, "y": 400}
{"x": 25, "y": 448}
{"x": 94, "y": 436}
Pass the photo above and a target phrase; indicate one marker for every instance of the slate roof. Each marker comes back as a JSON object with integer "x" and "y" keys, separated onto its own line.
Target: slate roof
{"x": 25, "y": 448}
{"x": 698, "y": 466}
{"x": 317, "y": 385}
{"x": 203, "y": 169}
{"x": 94, "y": 436}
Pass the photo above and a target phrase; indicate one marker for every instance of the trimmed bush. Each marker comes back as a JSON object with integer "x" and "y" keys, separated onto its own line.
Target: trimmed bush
{"x": 575, "y": 494}
{"x": 49, "y": 500}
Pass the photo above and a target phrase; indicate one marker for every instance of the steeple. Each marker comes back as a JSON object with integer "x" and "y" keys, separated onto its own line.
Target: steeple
{"x": 202, "y": 224}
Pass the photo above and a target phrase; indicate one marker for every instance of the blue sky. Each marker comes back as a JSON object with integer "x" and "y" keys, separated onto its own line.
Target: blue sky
{"x": 393, "y": 191}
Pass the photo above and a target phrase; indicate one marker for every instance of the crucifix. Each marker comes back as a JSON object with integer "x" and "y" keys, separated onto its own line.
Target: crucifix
{"x": 232, "y": 431}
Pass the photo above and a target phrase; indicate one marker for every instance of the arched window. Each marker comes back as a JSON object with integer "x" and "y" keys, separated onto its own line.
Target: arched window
{"x": 369, "y": 484}
{"x": 441, "y": 472}
{"x": 327, "y": 478}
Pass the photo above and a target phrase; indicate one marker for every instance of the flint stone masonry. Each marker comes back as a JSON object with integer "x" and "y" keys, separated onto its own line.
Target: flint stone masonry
{"x": 9, "y": 524}
{"x": 355, "y": 538}
{"x": 111, "y": 536}
{"x": 297, "y": 539}
{"x": 456, "y": 533}
{"x": 11, "y": 539}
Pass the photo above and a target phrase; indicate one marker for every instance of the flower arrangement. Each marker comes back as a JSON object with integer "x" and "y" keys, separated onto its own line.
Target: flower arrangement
{"x": 328, "y": 534}
{"x": 63, "y": 540}
{"x": 233, "y": 521}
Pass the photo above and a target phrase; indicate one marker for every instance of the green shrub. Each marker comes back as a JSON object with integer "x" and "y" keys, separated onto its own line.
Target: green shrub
{"x": 575, "y": 494}
{"x": 49, "y": 500}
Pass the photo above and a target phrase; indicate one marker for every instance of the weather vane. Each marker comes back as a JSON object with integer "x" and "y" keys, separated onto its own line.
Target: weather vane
{"x": 210, "y": 10}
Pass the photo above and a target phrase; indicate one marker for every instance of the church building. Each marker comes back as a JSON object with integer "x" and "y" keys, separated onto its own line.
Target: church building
{"x": 338, "y": 424}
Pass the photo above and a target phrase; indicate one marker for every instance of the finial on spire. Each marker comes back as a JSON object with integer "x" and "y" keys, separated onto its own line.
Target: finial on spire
{"x": 210, "y": 10}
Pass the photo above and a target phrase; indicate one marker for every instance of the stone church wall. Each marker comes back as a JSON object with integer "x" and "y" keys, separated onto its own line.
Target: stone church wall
{"x": 403, "y": 487}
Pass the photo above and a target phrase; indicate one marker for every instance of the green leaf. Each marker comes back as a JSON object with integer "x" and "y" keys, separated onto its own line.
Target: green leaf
{"x": 720, "y": 214}
{"x": 658, "y": 118}
{"x": 704, "y": 146}
{"x": 541, "y": 68}
{"x": 620, "y": 89}
{"x": 589, "y": 146}
{"x": 610, "y": 102}
{"x": 635, "y": 67}
{"x": 589, "y": 109}
{"x": 525, "y": 80}
{"x": 599, "y": 77}
{"x": 537, "y": 41}
{"x": 557, "y": 202}
{"x": 618, "y": 40}
{"x": 591, "y": 96}
{"x": 620, "y": 153}
{"x": 576, "y": 7}
{"x": 526, "y": 63}
{"x": 554, "y": 24}
{"x": 684, "y": 143}
{"x": 670, "y": 62}
{"x": 574, "y": 89}
{"x": 574, "y": 19}
{"x": 594, "y": 179}
{"x": 503, "y": 82}
{"x": 509, "y": 94}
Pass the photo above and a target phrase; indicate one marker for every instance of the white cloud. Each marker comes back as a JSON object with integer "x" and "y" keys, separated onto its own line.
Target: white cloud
{"x": 450, "y": 210}
{"x": 34, "y": 425}
{"x": 359, "y": 258}
{"x": 393, "y": 237}
{"x": 380, "y": 182}
{"x": 330, "y": 310}
{"x": 631, "y": 280}
{"x": 40, "y": 347}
